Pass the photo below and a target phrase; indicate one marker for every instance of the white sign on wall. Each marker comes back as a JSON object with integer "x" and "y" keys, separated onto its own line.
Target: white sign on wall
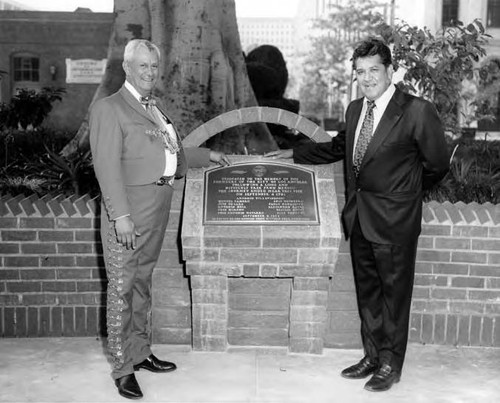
{"x": 85, "y": 71}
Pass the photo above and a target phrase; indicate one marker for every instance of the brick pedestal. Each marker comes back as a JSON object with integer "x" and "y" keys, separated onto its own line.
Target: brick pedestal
{"x": 305, "y": 253}
{"x": 209, "y": 312}
{"x": 308, "y": 316}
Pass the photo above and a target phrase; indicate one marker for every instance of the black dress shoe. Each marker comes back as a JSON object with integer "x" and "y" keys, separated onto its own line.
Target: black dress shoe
{"x": 383, "y": 379}
{"x": 153, "y": 364}
{"x": 128, "y": 387}
{"x": 361, "y": 370}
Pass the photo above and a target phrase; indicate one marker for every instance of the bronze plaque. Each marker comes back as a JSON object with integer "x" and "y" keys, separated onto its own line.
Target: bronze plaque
{"x": 260, "y": 193}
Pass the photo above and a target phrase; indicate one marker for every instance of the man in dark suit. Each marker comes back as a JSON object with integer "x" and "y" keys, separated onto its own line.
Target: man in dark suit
{"x": 137, "y": 154}
{"x": 394, "y": 147}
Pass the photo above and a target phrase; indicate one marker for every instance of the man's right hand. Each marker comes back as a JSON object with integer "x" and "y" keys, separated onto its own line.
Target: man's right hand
{"x": 280, "y": 154}
{"x": 125, "y": 232}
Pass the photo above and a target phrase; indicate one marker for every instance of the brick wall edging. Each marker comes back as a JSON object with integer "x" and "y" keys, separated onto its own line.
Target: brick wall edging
{"x": 434, "y": 212}
{"x": 486, "y": 214}
{"x": 56, "y": 205}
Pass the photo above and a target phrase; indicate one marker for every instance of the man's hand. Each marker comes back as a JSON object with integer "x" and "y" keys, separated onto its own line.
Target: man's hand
{"x": 280, "y": 154}
{"x": 125, "y": 232}
{"x": 220, "y": 158}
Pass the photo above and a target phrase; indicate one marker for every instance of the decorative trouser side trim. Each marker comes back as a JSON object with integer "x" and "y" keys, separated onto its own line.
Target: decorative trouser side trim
{"x": 115, "y": 303}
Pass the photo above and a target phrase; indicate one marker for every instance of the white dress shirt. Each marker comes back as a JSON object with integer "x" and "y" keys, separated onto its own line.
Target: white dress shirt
{"x": 380, "y": 106}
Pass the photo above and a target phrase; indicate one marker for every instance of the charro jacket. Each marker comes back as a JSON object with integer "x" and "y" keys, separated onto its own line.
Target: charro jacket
{"x": 123, "y": 152}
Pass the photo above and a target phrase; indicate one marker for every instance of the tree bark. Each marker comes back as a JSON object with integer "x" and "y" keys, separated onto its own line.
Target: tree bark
{"x": 202, "y": 68}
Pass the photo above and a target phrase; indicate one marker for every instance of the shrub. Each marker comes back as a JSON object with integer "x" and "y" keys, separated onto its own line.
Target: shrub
{"x": 31, "y": 163}
{"x": 34, "y": 165}
{"x": 438, "y": 66}
{"x": 28, "y": 108}
{"x": 474, "y": 174}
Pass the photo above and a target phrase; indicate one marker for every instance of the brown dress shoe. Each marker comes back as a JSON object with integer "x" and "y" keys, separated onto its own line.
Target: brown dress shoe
{"x": 383, "y": 379}
{"x": 153, "y": 364}
{"x": 361, "y": 370}
{"x": 128, "y": 387}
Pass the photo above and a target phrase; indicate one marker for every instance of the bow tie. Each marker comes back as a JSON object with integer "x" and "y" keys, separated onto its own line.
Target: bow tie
{"x": 148, "y": 101}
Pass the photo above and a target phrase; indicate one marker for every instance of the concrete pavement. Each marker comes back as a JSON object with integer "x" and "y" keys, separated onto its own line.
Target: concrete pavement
{"x": 76, "y": 370}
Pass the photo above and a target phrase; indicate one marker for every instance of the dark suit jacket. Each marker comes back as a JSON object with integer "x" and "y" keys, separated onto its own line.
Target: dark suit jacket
{"x": 407, "y": 153}
{"x": 124, "y": 154}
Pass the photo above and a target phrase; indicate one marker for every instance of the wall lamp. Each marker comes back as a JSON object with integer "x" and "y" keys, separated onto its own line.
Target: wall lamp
{"x": 53, "y": 71}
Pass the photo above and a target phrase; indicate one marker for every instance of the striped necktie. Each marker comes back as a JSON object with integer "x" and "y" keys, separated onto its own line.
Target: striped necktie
{"x": 365, "y": 135}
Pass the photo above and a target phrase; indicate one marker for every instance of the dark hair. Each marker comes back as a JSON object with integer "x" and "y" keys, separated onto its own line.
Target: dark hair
{"x": 372, "y": 47}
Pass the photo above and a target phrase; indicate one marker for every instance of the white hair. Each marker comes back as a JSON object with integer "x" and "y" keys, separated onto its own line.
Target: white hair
{"x": 134, "y": 44}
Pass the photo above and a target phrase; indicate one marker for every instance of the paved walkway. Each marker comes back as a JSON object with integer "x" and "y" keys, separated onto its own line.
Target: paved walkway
{"x": 76, "y": 370}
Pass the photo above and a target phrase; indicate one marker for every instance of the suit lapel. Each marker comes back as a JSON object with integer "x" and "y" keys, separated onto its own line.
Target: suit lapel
{"x": 135, "y": 104}
{"x": 160, "y": 107}
{"x": 391, "y": 115}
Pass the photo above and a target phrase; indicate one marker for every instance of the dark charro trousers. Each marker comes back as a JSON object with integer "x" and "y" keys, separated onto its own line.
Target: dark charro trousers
{"x": 129, "y": 274}
{"x": 384, "y": 276}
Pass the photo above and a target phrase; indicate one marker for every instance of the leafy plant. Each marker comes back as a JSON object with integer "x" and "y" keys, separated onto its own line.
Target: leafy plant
{"x": 17, "y": 144}
{"x": 29, "y": 108}
{"x": 474, "y": 174}
{"x": 436, "y": 66}
{"x": 65, "y": 173}
{"x": 20, "y": 184}
{"x": 41, "y": 169}
{"x": 36, "y": 166}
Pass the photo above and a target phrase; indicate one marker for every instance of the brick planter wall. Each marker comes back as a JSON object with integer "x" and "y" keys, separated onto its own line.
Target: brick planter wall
{"x": 52, "y": 276}
{"x": 457, "y": 285}
{"x": 456, "y": 298}
{"x": 52, "y": 280}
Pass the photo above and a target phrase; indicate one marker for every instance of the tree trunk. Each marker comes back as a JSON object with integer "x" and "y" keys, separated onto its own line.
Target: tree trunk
{"x": 131, "y": 21}
{"x": 202, "y": 68}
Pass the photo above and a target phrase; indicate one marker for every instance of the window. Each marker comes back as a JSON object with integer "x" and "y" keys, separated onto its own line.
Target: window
{"x": 450, "y": 12}
{"x": 26, "y": 68}
{"x": 493, "y": 16}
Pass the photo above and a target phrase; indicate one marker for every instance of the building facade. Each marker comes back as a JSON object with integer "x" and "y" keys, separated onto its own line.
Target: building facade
{"x": 36, "y": 48}
{"x": 280, "y": 32}
{"x": 12, "y": 5}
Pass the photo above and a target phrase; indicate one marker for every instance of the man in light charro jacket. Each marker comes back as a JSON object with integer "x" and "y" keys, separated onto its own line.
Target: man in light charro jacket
{"x": 137, "y": 154}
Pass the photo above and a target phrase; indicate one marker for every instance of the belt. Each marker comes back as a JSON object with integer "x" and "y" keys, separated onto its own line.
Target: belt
{"x": 165, "y": 180}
